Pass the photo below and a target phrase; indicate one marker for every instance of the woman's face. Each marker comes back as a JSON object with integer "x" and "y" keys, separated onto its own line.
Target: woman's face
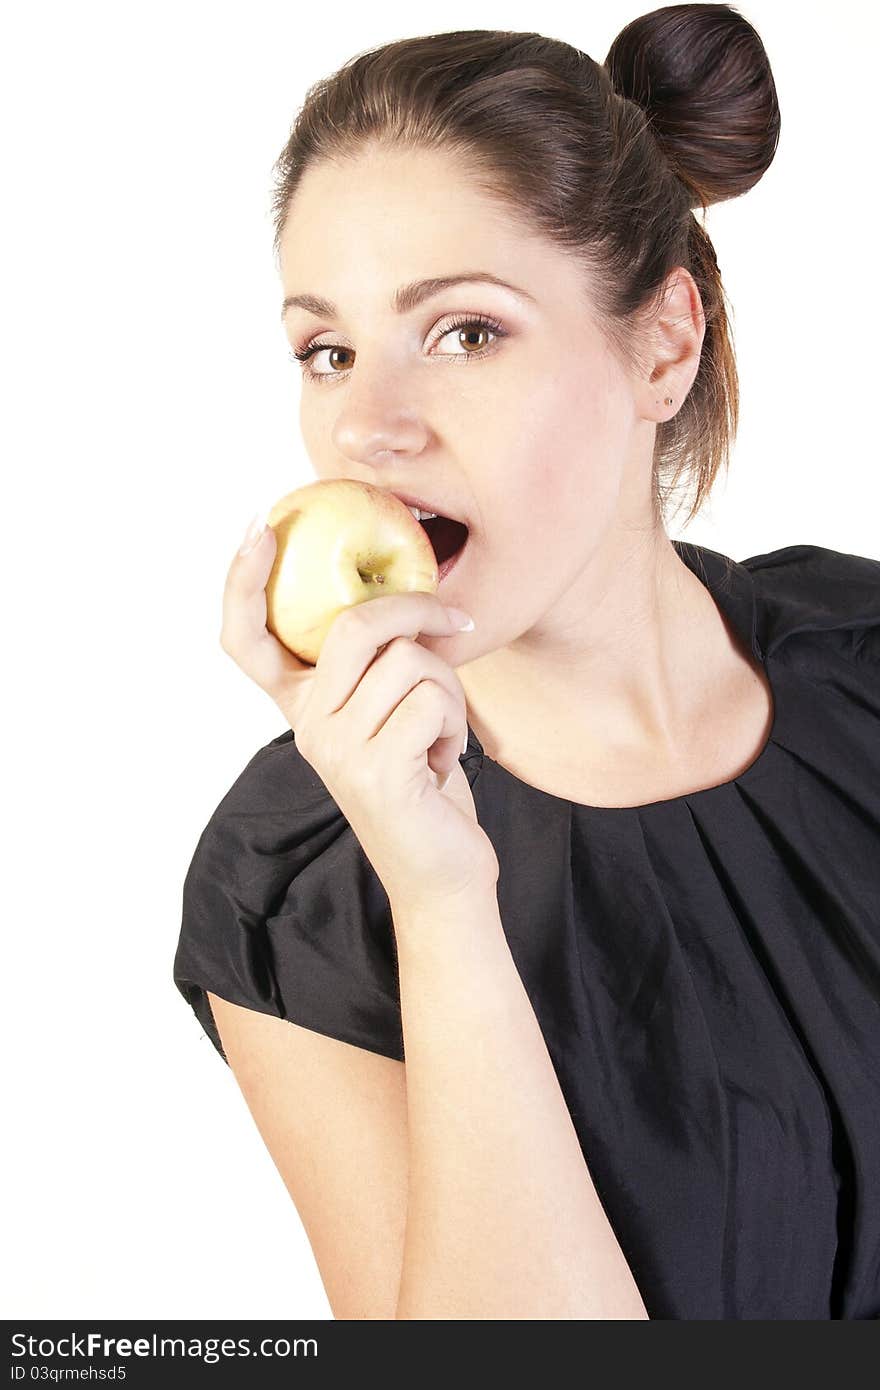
{"x": 529, "y": 433}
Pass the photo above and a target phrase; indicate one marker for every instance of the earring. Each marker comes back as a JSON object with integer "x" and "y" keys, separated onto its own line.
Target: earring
{"x": 667, "y": 400}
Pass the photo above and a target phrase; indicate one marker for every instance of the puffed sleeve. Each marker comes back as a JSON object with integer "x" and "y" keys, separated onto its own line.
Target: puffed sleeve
{"x": 283, "y": 912}
{"x": 819, "y": 610}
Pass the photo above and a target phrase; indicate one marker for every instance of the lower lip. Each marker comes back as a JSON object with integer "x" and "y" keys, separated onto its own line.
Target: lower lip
{"x": 449, "y": 565}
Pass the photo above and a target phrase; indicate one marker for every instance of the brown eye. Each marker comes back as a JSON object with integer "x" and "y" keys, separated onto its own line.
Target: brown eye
{"x": 335, "y": 351}
{"x": 467, "y": 336}
{"x": 305, "y": 355}
{"x": 473, "y": 331}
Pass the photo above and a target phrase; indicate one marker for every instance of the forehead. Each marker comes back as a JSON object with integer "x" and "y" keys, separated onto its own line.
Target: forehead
{"x": 388, "y": 216}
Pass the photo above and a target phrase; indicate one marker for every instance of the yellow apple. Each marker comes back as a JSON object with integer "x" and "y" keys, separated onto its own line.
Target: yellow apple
{"x": 339, "y": 543}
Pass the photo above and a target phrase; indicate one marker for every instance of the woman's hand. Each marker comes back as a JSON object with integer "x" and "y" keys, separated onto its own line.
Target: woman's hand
{"x": 365, "y": 717}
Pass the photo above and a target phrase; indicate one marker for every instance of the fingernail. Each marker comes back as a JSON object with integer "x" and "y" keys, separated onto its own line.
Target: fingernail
{"x": 256, "y": 527}
{"x": 466, "y": 738}
{"x": 463, "y": 621}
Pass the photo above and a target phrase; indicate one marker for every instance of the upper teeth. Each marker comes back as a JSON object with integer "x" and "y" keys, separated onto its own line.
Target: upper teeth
{"x": 420, "y": 515}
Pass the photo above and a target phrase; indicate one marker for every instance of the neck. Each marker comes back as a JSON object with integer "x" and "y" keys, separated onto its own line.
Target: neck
{"x": 623, "y": 665}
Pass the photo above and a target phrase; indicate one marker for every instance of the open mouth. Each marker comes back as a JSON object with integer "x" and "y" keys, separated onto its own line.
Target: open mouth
{"x": 448, "y": 537}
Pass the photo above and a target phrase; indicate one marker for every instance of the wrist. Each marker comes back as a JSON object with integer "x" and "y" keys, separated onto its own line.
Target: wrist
{"x": 433, "y": 916}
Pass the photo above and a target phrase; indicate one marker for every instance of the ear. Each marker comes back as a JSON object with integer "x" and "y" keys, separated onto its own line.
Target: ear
{"x": 674, "y": 340}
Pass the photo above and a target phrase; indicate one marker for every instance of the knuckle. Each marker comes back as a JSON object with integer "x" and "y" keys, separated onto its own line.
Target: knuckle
{"x": 349, "y": 629}
{"x": 422, "y": 698}
{"x": 401, "y": 649}
{"x": 354, "y": 619}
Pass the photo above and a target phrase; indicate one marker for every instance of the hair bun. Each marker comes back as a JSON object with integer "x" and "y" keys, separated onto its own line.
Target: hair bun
{"x": 703, "y": 78}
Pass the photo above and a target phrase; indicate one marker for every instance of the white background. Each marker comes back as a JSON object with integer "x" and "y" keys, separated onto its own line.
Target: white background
{"x": 150, "y": 409}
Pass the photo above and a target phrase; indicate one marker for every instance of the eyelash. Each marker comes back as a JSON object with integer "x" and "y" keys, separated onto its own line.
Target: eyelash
{"x": 303, "y": 354}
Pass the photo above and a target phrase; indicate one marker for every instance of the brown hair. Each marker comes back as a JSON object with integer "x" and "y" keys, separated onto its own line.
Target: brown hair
{"x": 606, "y": 160}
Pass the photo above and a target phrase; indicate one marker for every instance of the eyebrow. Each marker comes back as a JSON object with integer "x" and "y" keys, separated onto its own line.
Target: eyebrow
{"x": 407, "y": 297}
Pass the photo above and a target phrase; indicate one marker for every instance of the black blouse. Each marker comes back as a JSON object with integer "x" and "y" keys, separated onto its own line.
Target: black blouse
{"x": 705, "y": 970}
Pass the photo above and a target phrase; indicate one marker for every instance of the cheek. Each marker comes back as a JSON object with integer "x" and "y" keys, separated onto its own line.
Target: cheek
{"x": 558, "y": 473}
{"x": 539, "y": 537}
{"x": 573, "y": 413}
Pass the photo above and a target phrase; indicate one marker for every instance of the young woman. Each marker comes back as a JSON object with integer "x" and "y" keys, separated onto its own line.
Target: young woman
{"x": 591, "y": 1029}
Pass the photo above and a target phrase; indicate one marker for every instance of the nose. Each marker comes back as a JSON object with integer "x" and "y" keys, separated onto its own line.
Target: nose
{"x": 375, "y": 425}
{"x": 368, "y": 437}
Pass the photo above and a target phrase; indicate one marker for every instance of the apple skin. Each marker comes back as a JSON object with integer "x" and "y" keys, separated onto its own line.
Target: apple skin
{"x": 340, "y": 543}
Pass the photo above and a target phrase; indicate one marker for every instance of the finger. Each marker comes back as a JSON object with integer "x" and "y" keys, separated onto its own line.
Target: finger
{"x": 387, "y": 681}
{"x": 427, "y": 716}
{"x": 357, "y": 633}
{"x": 244, "y": 635}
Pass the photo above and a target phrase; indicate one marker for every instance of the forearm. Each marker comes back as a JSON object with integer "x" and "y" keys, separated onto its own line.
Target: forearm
{"x": 503, "y": 1221}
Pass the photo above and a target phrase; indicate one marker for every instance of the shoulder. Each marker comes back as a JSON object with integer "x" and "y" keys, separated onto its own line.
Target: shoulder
{"x": 808, "y": 596}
